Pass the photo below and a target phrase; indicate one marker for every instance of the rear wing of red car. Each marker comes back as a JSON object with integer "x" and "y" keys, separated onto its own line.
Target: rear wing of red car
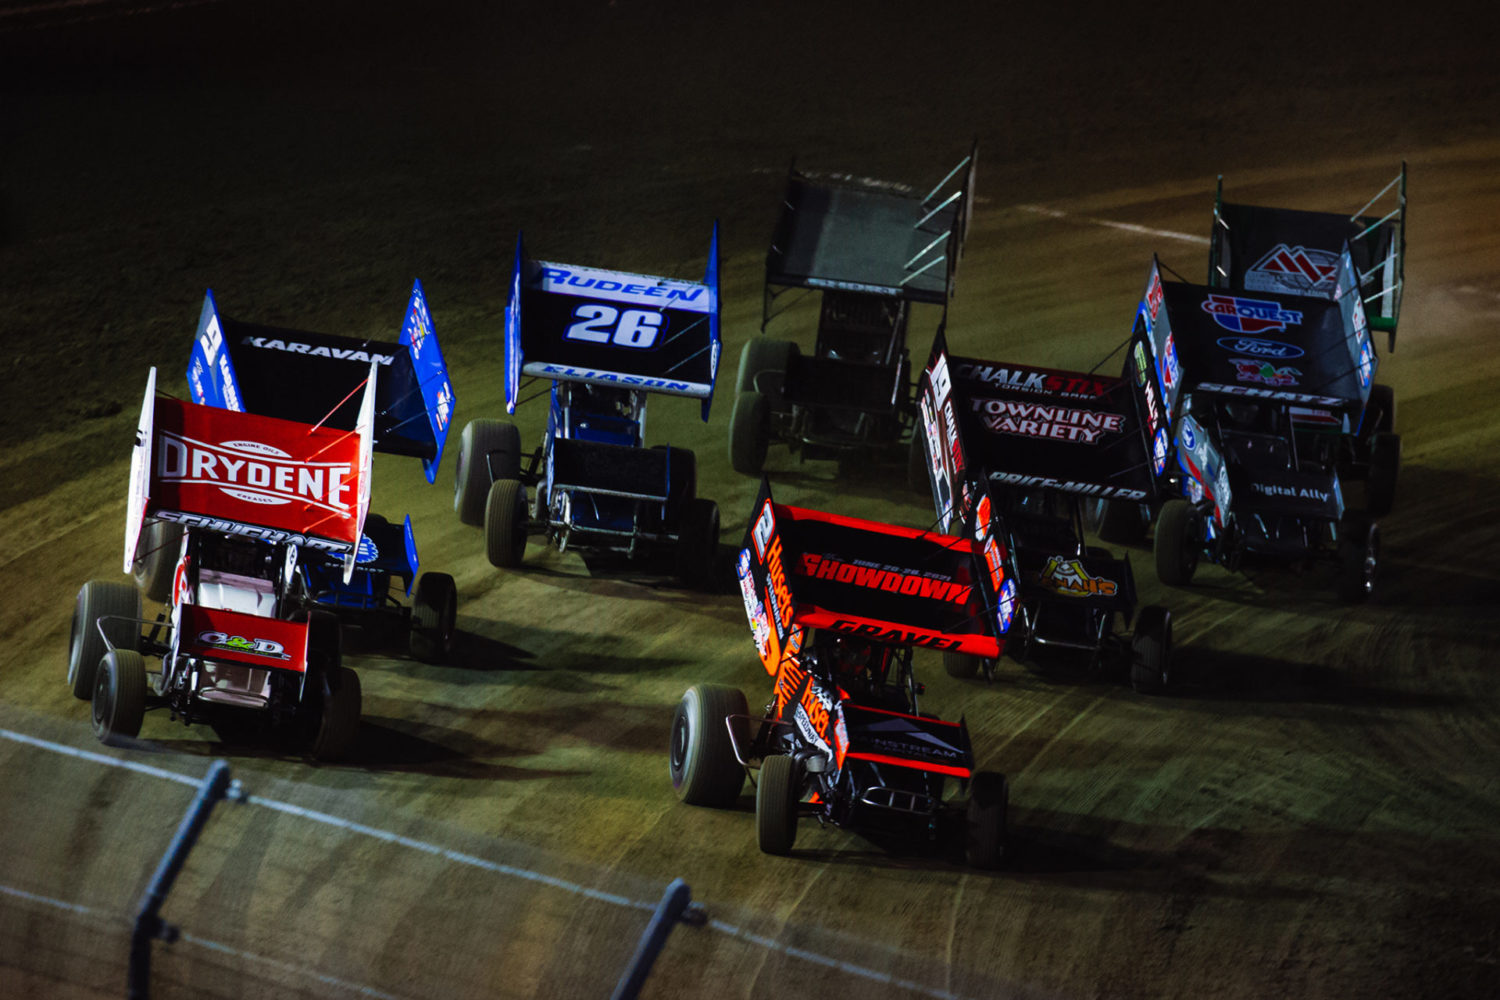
{"x": 803, "y": 569}
{"x": 244, "y": 474}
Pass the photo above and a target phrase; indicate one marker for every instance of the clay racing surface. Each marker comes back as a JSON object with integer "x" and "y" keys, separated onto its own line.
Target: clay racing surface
{"x": 1314, "y": 814}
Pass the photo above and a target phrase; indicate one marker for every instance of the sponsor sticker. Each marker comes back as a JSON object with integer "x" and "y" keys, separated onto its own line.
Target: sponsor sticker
{"x": 367, "y": 552}
{"x": 1037, "y": 420}
{"x": 1264, "y": 372}
{"x": 1068, "y": 577}
{"x": 1242, "y": 315}
{"x": 1258, "y": 348}
{"x": 1159, "y": 445}
{"x": 239, "y": 644}
{"x": 755, "y": 608}
{"x": 1294, "y": 271}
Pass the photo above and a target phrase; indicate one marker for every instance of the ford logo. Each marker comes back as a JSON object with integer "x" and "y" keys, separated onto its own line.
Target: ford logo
{"x": 1257, "y": 348}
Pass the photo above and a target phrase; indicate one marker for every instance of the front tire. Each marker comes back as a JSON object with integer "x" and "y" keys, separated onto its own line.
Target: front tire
{"x": 700, "y": 756}
{"x": 488, "y": 450}
{"x": 338, "y": 722}
{"x": 776, "y": 805}
{"x": 1151, "y": 650}
{"x": 985, "y": 829}
{"x": 119, "y": 696}
{"x": 86, "y": 647}
{"x": 1178, "y": 540}
{"x": 434, "y": 610}
{"x": 505, "y": 523}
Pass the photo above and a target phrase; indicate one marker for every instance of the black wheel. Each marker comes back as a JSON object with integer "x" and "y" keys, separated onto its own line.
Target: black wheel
{"x": 682, "y": 480}
{"x": 760, "y": 356}
{"x": 1382, "y": 402}
{"x": 749, "y": 433}
{"x": 698, "y": 542}
{"x": 86, "y": 647}
{"x": 119, "y": 696}
{"x": 1179, "y": 533}
{"x": 1121, "y": 522}
{"x": 338, "y": 720}
{"x": 1151, "y": 650}
{"x": 776, "y": 796}
{"x": 488, "y": 450}
{"x": 701, "y": 758}
{"x": 156, "y": 559}
{"x": 1359, "y": 559}
{"x": 505, "y": 522}
{"x": 962, "y": 665}
{"x": 434, "y": 609}
{"x": 984, "y": 833}
{"x": 1385, "y": 465}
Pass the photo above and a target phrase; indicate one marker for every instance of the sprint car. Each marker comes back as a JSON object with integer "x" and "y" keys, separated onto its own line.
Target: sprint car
{"x": 1255, "y": 249}
{"x": 316, "y": 378}
{"x": 606, "y": 340}
{"x": 1028, "y": 448}
{"x": 1265, "y": 395}
{"x": 239, "y": 647}
{"x": 874, "y": 251}
{"x": 836, "y": 606}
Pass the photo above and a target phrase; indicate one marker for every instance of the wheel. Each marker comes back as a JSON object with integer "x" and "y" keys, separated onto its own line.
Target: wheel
{"x": 156, "y": 561}
{"x": 1359, "y": 559}
{"x": 776, "y": 805}
{"x": 86, "y": 647}
{"x": 505, "y": 523}
{"x": 682, "y": 483}
{"x": 434, "y": 608}
{"x": 1121, "y": 522}
{"x": 916, "y": 462}
{"x": 338, "y": 719}
{"x": 1385, "y": 464}
{"x": 698, "y": 542}
{"x": 701, "y": 757}
{"x": 488, "y": 450}
{"x": 1383, "y": 401}
{"x": 1178, "y": 539}
{"x": 984, "y": 840}
{"x": 762, "y": 355}
{"x": 749, "y": 433}
{"x": 119, "y": 696}
{"x": 962, "y": 665}
{"x": 1151, "y": 650}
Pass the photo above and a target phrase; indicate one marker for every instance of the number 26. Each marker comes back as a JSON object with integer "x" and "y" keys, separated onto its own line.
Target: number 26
{"x": 605, "y": 324}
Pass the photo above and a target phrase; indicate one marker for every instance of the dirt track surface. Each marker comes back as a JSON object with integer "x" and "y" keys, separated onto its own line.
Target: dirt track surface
{"x": 1314, "y": 814}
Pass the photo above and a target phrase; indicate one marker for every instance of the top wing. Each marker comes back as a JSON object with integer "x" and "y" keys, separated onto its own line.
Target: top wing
{"x": 861, "y": 235}
{"x": 314, "y": 378}
{"x": 615, "y": 328}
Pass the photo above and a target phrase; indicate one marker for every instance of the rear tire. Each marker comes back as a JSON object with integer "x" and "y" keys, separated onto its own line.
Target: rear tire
{"x": 485, "y": 446}
{"x": 962, "y": 665}
{"x": 434, "y": 610}
{"x": 1383, "y": 401}
{"x": 776, "y": 805}
{"x": 989, "y": 801}
{"x": 1121, "y": 522}
{"x": 1151, "y": 650}
{"x": 1359, "y": 560}
{"x": 698, "y": 543}
{"x": 749, "y": 433}
{"x": 86, "y": 647}
{"x": 119, "y": 696}
{"x": 156, "y": 564}
{"x": 700, "y": 756}
{"x": 762, "y": 355}
{"x": 1178, "y": 540}
{"x": 1385, "y": 465}
{"x": 338, "y": 722}
{"x": 505, "y": 523}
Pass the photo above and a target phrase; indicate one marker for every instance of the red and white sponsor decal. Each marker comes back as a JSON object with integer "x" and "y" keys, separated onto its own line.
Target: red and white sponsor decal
{"x": 257, "y": 470}
{"x": 240, "y": 638}
{"x": 1059, "y": 423}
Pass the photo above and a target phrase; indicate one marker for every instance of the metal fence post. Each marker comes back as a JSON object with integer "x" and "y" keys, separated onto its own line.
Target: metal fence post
{"x": 148, "y": 923}
{"x": 676, "y": 905}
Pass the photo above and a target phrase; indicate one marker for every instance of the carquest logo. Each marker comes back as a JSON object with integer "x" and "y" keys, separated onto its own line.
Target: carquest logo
{"x": 1249, "y": 315}
{"x": 239, "y": 644}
